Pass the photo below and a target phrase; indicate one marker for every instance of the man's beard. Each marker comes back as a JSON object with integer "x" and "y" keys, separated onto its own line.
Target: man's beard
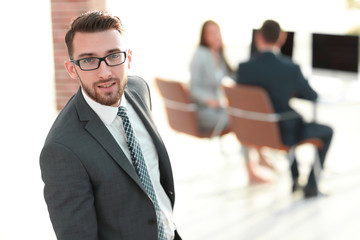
{"x": 109, "y": 99}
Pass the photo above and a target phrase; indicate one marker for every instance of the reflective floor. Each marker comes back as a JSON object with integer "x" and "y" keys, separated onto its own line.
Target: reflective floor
{"x": 219, "y": 204}
{"x": 215, "y": 201}
{"x": 213, "y": 198}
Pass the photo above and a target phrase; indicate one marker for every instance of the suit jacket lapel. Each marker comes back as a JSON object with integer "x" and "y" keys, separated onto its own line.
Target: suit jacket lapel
{"x": 98, "y": 130}
{"x": 144, "y": 113}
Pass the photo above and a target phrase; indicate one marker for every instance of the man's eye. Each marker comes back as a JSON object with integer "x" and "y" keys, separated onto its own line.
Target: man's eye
{"x": 115, "y": 55}
{"x": 88, "y": 60}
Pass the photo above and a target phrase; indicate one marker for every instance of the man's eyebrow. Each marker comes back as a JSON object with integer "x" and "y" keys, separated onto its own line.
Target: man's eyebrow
{"x": 114, "y": 50}
{"x": 93, "y": 54}
{"x": 86, "y": 55}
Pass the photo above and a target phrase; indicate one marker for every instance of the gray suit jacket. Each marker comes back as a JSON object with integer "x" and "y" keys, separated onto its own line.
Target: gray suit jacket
{"x": 206, "y": 77}
{"x": 91, "y": 189}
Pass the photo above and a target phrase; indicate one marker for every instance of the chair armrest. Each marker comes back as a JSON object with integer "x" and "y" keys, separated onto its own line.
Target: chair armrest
{"x": 265, "y": 117}
{"x": 180, "y": 106}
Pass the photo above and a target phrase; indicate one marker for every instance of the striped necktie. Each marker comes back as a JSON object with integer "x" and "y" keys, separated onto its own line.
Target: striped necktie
{"x": 138, "y": 161}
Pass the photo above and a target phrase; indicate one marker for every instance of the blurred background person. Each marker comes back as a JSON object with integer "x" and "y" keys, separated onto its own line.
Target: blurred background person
{"x": 208, "y": 69}
{"x": 283, "y": 79}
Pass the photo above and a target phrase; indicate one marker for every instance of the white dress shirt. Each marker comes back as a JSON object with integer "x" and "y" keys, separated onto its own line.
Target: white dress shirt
{"x": 113, "y": 122}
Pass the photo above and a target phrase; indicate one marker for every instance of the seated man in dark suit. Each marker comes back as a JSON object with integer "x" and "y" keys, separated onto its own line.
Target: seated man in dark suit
{"x": 282, "y": 79}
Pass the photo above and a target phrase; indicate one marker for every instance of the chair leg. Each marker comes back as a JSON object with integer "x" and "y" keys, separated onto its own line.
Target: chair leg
{"x": 219, "y": 127}
{"x": 221, "y": 145}
{"x": 291, "y": 155}
{"x": 316, "y": 166}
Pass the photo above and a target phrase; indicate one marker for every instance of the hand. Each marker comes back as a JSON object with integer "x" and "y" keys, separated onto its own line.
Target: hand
{"x": 213, "y": 103}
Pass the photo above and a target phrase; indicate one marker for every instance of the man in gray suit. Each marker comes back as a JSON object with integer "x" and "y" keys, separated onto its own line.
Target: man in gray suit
{"x": 92, "y": 189}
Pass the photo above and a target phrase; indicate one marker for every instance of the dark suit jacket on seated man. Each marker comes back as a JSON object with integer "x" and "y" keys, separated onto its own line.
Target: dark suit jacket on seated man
{"x": 282, "y": 79}
{"x": 92, "y": 189}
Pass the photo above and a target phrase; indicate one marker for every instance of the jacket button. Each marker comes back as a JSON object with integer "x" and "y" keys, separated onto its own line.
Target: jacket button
{"x": 152, "y": 221}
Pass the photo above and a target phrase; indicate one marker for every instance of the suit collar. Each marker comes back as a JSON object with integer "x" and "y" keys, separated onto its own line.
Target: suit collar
{"x": 144, "y": 113}
{"x": 273, "y": 49}
{"x": 268, "y": 53}
{"x": 98, "y": 130}
{"x": 107, "y": 114}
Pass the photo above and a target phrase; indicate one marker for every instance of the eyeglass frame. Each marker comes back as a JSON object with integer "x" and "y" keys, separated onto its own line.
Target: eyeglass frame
{"x": 77, "y": 62}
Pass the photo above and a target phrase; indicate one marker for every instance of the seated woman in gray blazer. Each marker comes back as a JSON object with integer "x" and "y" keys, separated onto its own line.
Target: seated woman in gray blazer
{"x": 208, "y": 68}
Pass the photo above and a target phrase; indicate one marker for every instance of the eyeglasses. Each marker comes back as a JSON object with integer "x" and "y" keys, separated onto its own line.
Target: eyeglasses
{"x": 92, "y": 63}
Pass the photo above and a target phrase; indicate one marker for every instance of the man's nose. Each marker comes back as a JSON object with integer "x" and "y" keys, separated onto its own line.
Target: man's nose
{"x": 104, "y": 70}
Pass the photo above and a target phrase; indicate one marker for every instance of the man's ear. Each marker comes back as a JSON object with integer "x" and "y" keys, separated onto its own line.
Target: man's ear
{"x": 129, "y": 53}
{"x": 70, "y": 67}
{"x": 282, "y": 38}
{"x": 259, "y": 40}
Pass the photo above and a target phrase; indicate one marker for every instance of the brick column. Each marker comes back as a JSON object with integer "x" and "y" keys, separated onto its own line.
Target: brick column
{"x": 62, "y": 13}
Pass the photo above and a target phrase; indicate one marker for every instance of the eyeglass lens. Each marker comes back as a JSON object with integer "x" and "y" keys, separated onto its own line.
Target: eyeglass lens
{"x": 92, "y": 63}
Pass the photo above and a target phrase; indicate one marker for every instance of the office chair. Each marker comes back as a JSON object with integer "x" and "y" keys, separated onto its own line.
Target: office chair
{"x": 255, "y": 124}
{"x": 182, "y": 112}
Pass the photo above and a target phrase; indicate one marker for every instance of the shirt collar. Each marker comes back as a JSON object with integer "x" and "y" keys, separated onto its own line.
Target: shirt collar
{"x": 107, "y": 114}
{"x": 273, "y": 49}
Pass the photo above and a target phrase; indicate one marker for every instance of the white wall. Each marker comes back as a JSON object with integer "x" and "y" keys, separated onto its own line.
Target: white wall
{"x": 163, "y": 34}
{"x": 27, "y": 106}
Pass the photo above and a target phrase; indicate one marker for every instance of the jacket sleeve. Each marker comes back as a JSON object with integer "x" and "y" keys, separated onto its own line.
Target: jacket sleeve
{"x": 202, "y": 77}
{"x": 68, "y": 194}
{"x": 304, "y": 90}
{"x": 241, "y": 75}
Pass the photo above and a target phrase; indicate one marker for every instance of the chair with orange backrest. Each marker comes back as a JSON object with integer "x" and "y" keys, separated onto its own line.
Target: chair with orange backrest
{"x": 255, "y": 123}
{"x": 181, "y": 111}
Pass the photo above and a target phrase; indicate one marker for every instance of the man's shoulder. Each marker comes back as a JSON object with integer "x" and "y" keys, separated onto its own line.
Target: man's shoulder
{"x": 266, "y": 58}
{"x": 287, "y": 60}
{"x": 139, "y": 89}
{"x": 66, "y": 122}
{"x": 136, "y": 82}
{"x": 253, "y": 61}
{"x": 138, "y": 86}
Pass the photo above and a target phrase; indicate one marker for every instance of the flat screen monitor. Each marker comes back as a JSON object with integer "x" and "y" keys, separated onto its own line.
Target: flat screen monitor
{"x": 335, "y": 52}
{"x": 286, "y": 49}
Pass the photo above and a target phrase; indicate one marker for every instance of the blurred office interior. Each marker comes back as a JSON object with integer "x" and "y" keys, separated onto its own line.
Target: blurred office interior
{"x": 214, "y": 200}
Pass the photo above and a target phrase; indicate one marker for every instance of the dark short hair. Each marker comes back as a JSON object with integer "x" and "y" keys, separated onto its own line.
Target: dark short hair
{"x": 94, "y": 21}
{"x": 270, "y": 31}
